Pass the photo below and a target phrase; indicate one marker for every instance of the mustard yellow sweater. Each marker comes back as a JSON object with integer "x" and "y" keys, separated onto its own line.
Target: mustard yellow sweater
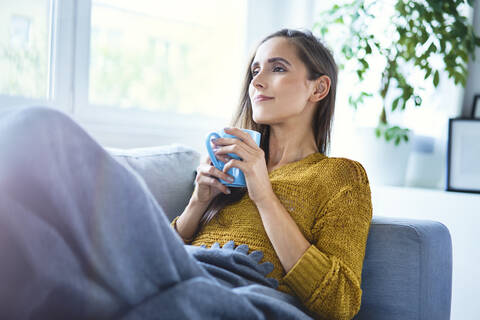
{"x": 329, "y": 199}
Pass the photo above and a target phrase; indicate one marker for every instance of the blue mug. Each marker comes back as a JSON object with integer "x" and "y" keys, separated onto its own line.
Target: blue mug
{"x": 236, "y": 173}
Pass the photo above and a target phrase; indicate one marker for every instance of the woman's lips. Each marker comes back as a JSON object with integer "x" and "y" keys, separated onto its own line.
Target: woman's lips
{"x": 262, "y": 98}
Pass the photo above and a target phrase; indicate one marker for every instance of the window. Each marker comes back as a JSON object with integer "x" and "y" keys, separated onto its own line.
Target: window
{"x": 174, "y": 56}
{"x": 179, "y": 57}
{"x": 19, "y": 31}
{"x": 24, "y": 48}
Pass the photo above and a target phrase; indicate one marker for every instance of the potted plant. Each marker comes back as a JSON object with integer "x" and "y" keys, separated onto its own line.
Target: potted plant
{"x": 417, "y": 30}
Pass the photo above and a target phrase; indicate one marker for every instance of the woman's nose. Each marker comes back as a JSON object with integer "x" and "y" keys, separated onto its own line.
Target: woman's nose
{"x": 258, "y": 82}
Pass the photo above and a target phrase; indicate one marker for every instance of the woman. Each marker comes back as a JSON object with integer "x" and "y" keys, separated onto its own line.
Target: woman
{"x": 308, "y": 213}
{"x": 82, "y": 237}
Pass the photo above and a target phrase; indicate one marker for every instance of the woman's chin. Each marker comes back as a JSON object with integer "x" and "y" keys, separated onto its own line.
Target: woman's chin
{"x": 260, "y": 117}
{"x": 260, "y": 120}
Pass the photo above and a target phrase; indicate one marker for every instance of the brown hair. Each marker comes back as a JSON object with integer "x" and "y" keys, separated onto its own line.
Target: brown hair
{"x": 318, "y": 61}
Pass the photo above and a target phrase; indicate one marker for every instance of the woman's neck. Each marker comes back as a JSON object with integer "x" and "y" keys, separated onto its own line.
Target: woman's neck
{"x": 289, "y": 148}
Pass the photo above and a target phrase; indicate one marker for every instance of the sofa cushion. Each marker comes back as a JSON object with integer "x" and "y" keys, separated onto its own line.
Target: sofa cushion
{"x": 168, "y": 171}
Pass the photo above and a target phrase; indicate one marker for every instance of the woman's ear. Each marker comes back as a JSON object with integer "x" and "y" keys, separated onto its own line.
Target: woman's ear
{"x": 322, "y": 87}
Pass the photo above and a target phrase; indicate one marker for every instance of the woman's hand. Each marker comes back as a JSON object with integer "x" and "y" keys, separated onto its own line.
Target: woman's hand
{"x": 253, "y": 163}
{"x": 206, "y": 186}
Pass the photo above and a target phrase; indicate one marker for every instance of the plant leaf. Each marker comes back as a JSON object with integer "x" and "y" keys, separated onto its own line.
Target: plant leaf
{"x": 428, "y": 73}
{"x": 436, "y": 78}
{"x": 368, "y": 49}
{"x": 395, "y": 103}
{"x": 364, "y": 63}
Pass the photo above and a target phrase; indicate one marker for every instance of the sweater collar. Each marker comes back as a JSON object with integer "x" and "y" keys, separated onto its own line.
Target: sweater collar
{"x": 313, "y": 157}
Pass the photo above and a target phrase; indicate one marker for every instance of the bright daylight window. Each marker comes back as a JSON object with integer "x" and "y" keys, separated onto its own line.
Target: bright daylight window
{"x": 24, "y": 48}
{"x": 182, "y": 56}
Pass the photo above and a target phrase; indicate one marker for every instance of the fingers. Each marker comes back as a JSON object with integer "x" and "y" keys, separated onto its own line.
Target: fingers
{"x": 221, "y": 157}
{"x": 212, "y": 171}
{"x": 245, "y": 137}
{"x": 209, "y": 171}
{"x": 212, "y": 182}
{"x": 237, "y": 147}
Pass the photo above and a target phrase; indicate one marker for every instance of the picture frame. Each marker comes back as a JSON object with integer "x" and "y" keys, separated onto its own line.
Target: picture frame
{"x": 476, "y": 107}
{"x": 463, "y": 154}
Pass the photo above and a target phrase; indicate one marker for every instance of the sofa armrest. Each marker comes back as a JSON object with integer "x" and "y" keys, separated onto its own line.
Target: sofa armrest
{"x": 407, "y": 271}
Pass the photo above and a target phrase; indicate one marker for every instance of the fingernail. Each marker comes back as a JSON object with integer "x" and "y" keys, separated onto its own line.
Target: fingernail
{"x": 230, "y": 179}
{"x": 228, "y": 191}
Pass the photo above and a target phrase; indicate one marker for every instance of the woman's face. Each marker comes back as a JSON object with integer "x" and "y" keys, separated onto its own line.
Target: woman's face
{"x": 280, "y": 75}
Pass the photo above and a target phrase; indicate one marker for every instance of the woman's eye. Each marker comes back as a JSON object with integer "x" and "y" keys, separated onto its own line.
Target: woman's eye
{"x": 275, "y": 69}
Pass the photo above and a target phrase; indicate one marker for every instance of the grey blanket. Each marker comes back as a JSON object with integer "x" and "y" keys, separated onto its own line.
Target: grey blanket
{"x": 236, "y": 272}
{"x": 82, "y": 237}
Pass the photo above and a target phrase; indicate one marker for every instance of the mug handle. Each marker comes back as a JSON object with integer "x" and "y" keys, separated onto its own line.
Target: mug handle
{"x": 216, "y": 163}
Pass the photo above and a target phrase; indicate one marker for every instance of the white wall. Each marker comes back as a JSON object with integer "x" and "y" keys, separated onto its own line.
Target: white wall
{"x": 287, "y": 14}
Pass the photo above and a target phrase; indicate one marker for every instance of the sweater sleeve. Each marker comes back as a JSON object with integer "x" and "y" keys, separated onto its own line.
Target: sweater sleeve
{"x": 327, "y": 277}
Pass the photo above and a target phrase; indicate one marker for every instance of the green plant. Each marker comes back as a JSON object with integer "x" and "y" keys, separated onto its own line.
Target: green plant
{"x": 417, "y": 30}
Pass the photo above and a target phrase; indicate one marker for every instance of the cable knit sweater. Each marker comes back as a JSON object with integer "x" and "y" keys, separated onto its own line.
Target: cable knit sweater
{"x": 329, "y": 199}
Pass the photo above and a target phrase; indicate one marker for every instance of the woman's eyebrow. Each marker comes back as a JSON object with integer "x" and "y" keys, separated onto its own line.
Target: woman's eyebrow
{"x": 271, "y": 60}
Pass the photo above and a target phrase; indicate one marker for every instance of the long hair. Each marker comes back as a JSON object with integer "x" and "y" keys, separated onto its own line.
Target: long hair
{"x": 319, "y": 61}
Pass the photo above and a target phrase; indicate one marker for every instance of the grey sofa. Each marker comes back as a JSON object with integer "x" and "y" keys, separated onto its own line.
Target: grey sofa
{"x": 407, "y": 271}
